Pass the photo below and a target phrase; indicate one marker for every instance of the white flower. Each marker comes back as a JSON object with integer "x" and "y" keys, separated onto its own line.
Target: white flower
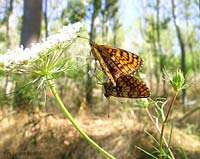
{"x": 67, "y": 33}
{"x": 12, "y": 56}
{"x": 21, "y": 56}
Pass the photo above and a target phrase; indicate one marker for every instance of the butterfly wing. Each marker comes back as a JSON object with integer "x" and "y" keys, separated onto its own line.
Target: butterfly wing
{"x": 99, "y": 57}
{"x": 120, "y": 61}
{"x": 127, "y": 87}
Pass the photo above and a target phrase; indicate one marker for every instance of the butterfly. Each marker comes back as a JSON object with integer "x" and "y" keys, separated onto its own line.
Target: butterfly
{"x": 115, "y": 61}
{"x": 127, "y": 86}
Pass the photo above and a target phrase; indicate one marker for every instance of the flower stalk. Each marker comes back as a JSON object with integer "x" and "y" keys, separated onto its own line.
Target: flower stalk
{"x": 177, "y": 81}
{"x": 46, "y": 61}
{"x": 73, "y": 122}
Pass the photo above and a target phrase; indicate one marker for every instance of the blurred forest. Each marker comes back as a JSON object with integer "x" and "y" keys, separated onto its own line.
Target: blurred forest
{"x": 166, "y": 34}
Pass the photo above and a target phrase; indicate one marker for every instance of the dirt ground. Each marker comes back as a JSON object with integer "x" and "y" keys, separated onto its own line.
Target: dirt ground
{"x": 41, "y": 134}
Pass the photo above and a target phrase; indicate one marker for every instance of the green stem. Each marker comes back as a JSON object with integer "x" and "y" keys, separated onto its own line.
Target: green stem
{"x": 165, "y": 121}
{"x": 158, "y": 129}
{"x": 70, "y": 118}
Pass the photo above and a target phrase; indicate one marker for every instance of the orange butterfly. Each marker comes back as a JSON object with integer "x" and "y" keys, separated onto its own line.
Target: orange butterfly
{"x": 115, "y": 61}
{"x": 127, "y": 86}
{"x": 118, "y": 65}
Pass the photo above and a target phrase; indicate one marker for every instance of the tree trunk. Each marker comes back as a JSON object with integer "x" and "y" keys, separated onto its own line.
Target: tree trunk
{"x": 30, "y": 34}
{"x": 159, "y": 44}
{"x": 8, "y": 35}
{"x": 103, "y": 24}
{"x": 9, "y": 12}
{"x": 181, "y": 43}
{"x": 46, "y": 18}
{"x": 190, "y": 45}
{"x": 89, "y": 83}
{"x": 31, "y": 22}
{"x": 116, "y": 27}
{"x": 155, "y": 50}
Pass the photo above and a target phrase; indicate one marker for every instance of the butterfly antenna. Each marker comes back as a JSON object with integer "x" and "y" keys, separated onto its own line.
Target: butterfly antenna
{"x": 83, "y": 37}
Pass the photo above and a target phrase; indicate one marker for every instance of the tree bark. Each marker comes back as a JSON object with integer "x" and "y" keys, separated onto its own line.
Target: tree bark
{"x": 31, "y": 22}
{"x": 30, "y": 34}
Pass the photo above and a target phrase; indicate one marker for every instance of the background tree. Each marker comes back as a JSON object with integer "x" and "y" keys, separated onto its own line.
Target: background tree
{"x": 96, "y": 6}
{"x": 152, "y": 32}
{"x": 74, "y": 12}
{"x": 31, "y": 28}
{"x": 7, "y": 21}
{"x": 108, "y": 12}
{"x": 8, "y": 24}
{"x": 116, "y": 31}
{"x": 182, "y": 46}
{"x": 159, "y": 45}
{"x": 46, "y": 18}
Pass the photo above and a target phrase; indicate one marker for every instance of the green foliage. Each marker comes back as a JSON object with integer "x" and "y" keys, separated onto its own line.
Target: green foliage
{"x": 164, "y": 23}
{"x": 96, "y": 4}
{"x": 176, "y": 80}
{"x": 110, "y": 9}
{"x": 27, "y": 94}
{"x": 163, "y": 148}
{"x": 71, "y": 73}
{"x": 75, "y": 12}
{"x": 142, "y": 103}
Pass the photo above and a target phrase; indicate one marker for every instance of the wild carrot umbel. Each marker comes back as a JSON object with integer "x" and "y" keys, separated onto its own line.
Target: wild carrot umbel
{"x": 45, "y": 61}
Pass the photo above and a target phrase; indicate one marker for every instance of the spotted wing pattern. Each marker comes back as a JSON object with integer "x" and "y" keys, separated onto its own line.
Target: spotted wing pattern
{"x": 127, "y": 86}
{"x": 116, "y": 62}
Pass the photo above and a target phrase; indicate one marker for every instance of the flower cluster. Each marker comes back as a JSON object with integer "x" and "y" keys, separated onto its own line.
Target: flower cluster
{"x": 22, "y": 56}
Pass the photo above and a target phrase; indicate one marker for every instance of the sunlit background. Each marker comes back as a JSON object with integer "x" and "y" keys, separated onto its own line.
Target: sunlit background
{"x": 165, "y": 34}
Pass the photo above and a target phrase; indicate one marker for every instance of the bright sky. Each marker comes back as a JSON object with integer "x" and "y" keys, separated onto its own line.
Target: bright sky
{"x": 128, "y": 11}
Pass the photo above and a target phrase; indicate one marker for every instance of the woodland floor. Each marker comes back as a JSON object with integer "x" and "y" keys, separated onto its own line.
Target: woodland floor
{"x": 34, "y": 135}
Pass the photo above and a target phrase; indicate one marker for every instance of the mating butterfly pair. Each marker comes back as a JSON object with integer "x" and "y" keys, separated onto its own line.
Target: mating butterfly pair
{"x": 118, "y": 65}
